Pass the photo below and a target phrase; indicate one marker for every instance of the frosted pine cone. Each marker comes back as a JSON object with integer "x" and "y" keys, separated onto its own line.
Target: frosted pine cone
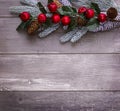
{"x": 112, "y": 13}
{"x": 81, "y": 22}
{"x": 33, "y": 27}
{"x": 58, "y": 3}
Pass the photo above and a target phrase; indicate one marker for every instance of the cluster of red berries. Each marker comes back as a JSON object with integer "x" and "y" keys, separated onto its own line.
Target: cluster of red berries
{"x": 56, "y": 18}
{"x": 90, "y": 13}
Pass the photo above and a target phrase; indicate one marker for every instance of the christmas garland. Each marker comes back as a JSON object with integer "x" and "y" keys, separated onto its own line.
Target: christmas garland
{"x": 36, "y": 18}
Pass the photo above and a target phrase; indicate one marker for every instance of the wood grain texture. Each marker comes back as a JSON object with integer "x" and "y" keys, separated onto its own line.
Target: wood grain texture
{"x": 45, "y": 65}
{"x": 60, "y": 72}
{"x": 4, "y": 7}
{"x": 60, "y": 101}
{"x": 106, "y": 42}
{"x": 5, "y": 4}
{"x": 12, "y": 41}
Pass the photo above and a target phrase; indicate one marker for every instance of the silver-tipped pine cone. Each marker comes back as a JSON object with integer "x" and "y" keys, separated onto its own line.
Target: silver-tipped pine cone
{"x": 33, "y": 27}
{"x": 112, "y": 13}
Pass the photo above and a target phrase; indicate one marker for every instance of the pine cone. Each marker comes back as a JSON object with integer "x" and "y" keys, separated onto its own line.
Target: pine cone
{"x": 33, "y": 27}
{"x": 58, "y": 3}
{"x": 81, "y": 22}
{"x": 112, "y": 13}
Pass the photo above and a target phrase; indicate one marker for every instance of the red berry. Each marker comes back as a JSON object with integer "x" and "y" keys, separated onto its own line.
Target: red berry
{"x": 24, "y": 16}
{"x": 52, "y": 7}
{"x": 56, "y": 18}
{"x": 42, "y": 18}
{"x": 102, "y": 17}
{"x": 90, "y": 13}
{"x": 66, "y": 20}
{"x": 82, "y": 10}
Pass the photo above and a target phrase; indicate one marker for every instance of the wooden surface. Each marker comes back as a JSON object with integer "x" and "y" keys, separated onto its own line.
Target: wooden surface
{"x": 70, "y": 77}
{"x": 102, "y": 42}
{"x": 60, "y": 72}
{"x": 60, "y": 101}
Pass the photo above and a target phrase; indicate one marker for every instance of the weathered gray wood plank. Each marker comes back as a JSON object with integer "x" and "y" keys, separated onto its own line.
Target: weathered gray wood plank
{"x": 59, "y": 101}
{"x": 5, "y": 4}
{"x": 12, "y": 41}
{"x": 60, "y": 72}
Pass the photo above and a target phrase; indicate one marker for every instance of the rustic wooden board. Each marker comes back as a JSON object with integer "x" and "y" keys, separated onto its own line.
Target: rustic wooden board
{"x": 45, "y": 65}
{"x": 60, "y": 101}
{"x": 60, "y": 72}
{"x": 33, "y": 64}
{"x": 5, "y": 4}
{"x": 12, "y": 41}
{"x": 106, "y": 42}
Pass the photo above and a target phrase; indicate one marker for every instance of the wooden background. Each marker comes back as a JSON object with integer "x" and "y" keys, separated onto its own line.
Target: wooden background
{"x": 44, "y": 75}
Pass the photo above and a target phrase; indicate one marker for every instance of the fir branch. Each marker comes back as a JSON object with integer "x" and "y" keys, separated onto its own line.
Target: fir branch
{"x": 103, "y": 4}
{"x": 29, "y": 2}
{"x": 67, "y": 37}
{"x": 79, "y": 34}
{"x": 75, "y": 34}
{"x": 106, "y": 26}
{"x": 118, "y": 8}
{"x": 49, "y": 30}
{"x": 95, "y": 7}
{"x": 65, "y": 2}
{"x": 24, "y": 25}
{"x": 41, "y": 7}
{"x": 66, "y": 10}
{"x": 49, "y": 15}
{"x": 21, "y": 26}
{"x": 34, "y": 11}
{"x": 109, "y": 25}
